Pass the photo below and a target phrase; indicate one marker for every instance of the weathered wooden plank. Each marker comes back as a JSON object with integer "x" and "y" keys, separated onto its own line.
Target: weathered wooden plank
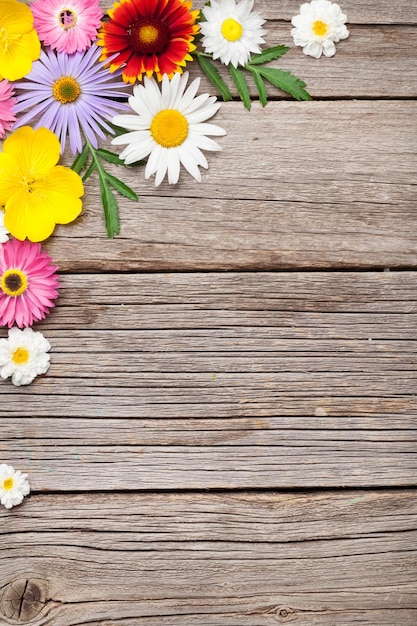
{"x": 235, "y": 559}
{"x": 276, "y": 206}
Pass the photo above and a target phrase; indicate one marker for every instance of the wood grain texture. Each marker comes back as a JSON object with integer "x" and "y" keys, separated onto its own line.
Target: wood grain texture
{"x": 276, "y": 206}
{"x": 235, "y": 559}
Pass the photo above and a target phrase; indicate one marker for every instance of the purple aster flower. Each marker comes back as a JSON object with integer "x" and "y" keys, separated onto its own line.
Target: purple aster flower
{"x": 70, "y": 93}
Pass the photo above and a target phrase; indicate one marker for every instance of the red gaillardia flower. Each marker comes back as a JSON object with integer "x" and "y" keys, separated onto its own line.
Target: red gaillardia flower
{"x": 148, "y": 36}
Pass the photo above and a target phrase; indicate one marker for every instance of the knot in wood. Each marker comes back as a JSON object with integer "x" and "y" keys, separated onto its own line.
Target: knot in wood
{"x": 283, "y": 614}
{"x": 23, "y": 599}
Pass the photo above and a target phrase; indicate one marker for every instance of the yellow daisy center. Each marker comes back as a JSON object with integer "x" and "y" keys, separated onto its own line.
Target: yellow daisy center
{"x": 67, "y": 19}
{"x": 66, "y": 89}
{"x": 169, "y": 128}
{"x": 14, "y": 282}
{"x": 148, "y": 34}
{"x": 320, "y": 28}
{"x": 20, "y": 356}
{"x": 8, "y": 484}
{"x": 231, "y": 29}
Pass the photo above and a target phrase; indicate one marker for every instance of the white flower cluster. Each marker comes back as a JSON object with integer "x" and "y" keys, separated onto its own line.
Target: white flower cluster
{"x": 318, "y": 27}
{"x": 13, "y": 486}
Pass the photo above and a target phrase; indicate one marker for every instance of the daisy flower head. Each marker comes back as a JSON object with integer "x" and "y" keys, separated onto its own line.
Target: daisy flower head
{"x": 36, "y": 193}
{"x": 67, "y": 26}
{"x": 6, "y": 107}
{"x": 19, "y": 42}
{"x": 28, "y": 283}
{"x": 4, "y": 233}
{"x": 169, "y": 127}
{"x": 232, "y": 31}
{"x": 318, "y": 27}
{"x": 13, "y": 486}
{"x": 24, "y": 356}
{"x": 70, "y": 94}
{"x": 147, "y": 37}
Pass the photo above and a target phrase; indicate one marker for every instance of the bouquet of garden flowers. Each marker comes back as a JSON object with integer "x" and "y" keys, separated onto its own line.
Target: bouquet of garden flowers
{"x": 72, "y": 76}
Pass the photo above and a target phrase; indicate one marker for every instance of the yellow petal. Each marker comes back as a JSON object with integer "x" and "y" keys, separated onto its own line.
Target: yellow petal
{"x": 15, "y": 17}
{"x": 36, "y": 151}
{"x": 21, "y": 51}
{"x": 64, "y": 181}
{"x": 10, "y": 178}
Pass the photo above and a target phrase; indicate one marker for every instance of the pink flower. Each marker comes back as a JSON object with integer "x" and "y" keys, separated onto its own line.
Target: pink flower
{"x": 6, "y": 107}
{"x": 28, "y": 283}
{"x": 67, "y": 26}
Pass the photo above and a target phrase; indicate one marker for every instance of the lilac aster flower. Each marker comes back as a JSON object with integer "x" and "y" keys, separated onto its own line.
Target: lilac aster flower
{"x": 70, "y": 93}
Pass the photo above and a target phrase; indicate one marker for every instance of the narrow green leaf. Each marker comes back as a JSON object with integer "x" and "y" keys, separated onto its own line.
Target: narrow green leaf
{"x": 214, "y": 77}
{"x": 109, "y": 156}
{"x": 241, "y": 84}
{"x": 90, "y": 170}
{"x": 121, "y": 187}
{"x": 260, "y": 85}
{"x": 80, "y": 160}
{"x": 269, "y": 54}
{"x": 285, "y": 81}
{"x": 111, "y": 210}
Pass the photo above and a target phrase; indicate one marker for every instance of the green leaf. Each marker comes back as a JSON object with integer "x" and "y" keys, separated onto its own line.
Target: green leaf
{"x": 80, "y": 160}
{"x": 90, "y": 170}
{"x": 269, "y": 54}
{"x": 260, "y": 85}
{"x": 214, "y": 77}
{"x": 109, "y": 156}
{"x": 241, "y": 84}
{"x": 111, "y": 210}
{"x": 285, "y": 81}
{"x": 121, "y": 187}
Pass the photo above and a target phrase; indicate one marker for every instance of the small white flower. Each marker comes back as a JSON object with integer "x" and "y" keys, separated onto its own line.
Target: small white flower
{"x": 319, "y": 25}
{"x": 23, "y": 356}
{"x": 13, "y": 486}
{"x": 168, "y": 127}
{"x": 232, "y": 31}
{"x": 3, "y": 230}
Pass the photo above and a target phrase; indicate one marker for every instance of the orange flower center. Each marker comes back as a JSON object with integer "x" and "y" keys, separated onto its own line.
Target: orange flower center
{"x": 148, "y": 36}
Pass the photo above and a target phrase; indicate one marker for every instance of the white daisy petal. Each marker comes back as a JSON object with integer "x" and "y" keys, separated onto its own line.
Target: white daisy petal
{"x": 176, "y": 132}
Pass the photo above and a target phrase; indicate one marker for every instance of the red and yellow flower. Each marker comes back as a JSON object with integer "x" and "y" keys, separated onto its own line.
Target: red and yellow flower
{"x": 149, "y": 36}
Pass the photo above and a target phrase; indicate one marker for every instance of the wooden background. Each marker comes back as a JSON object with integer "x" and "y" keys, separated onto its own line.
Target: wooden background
{"x": 227, "y": 432}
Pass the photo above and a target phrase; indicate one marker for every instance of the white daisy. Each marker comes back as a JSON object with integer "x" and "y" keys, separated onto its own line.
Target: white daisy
{"x": 3, "y": 230}
{"x": 13, "y": 486}
{"x": 168, "y": 127}
{"x": 231, "y": 31}
{"x": 23, "y": 356}
{"x": 319, "y": 25}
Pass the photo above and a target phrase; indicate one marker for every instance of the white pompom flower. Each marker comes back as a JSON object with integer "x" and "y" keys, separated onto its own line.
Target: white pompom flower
{"x": 23, "y": 355}
{"x": 232, "y": 31}
{"x": 13, "y": 486}
{"x": 169, "y": 127}
{"x": 318, "y": 27}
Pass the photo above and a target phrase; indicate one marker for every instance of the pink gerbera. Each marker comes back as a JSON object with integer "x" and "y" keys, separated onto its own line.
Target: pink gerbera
{"x": 67, "y": 26}
{"x": 28, "y": 283}
{"x": 6, "y": 107}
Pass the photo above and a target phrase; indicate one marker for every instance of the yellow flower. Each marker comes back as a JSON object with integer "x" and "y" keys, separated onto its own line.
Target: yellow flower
{"x": 36, "y": 193}
{"x": 19, "y": 42}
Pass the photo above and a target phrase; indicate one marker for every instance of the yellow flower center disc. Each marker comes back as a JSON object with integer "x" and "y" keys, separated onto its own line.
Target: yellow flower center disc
{"x": 8, "y": 484}
{"x": 320, "y": 28}
{"x": 66, "y": 89}
{"x": 231, "y": 29}
{"x": 148, "y": 34}
{"x": 14, "y": 282}
{"x": 67, "y": 19}
{"x": 169, "y": 128}
{"x": 20, "y": 356}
